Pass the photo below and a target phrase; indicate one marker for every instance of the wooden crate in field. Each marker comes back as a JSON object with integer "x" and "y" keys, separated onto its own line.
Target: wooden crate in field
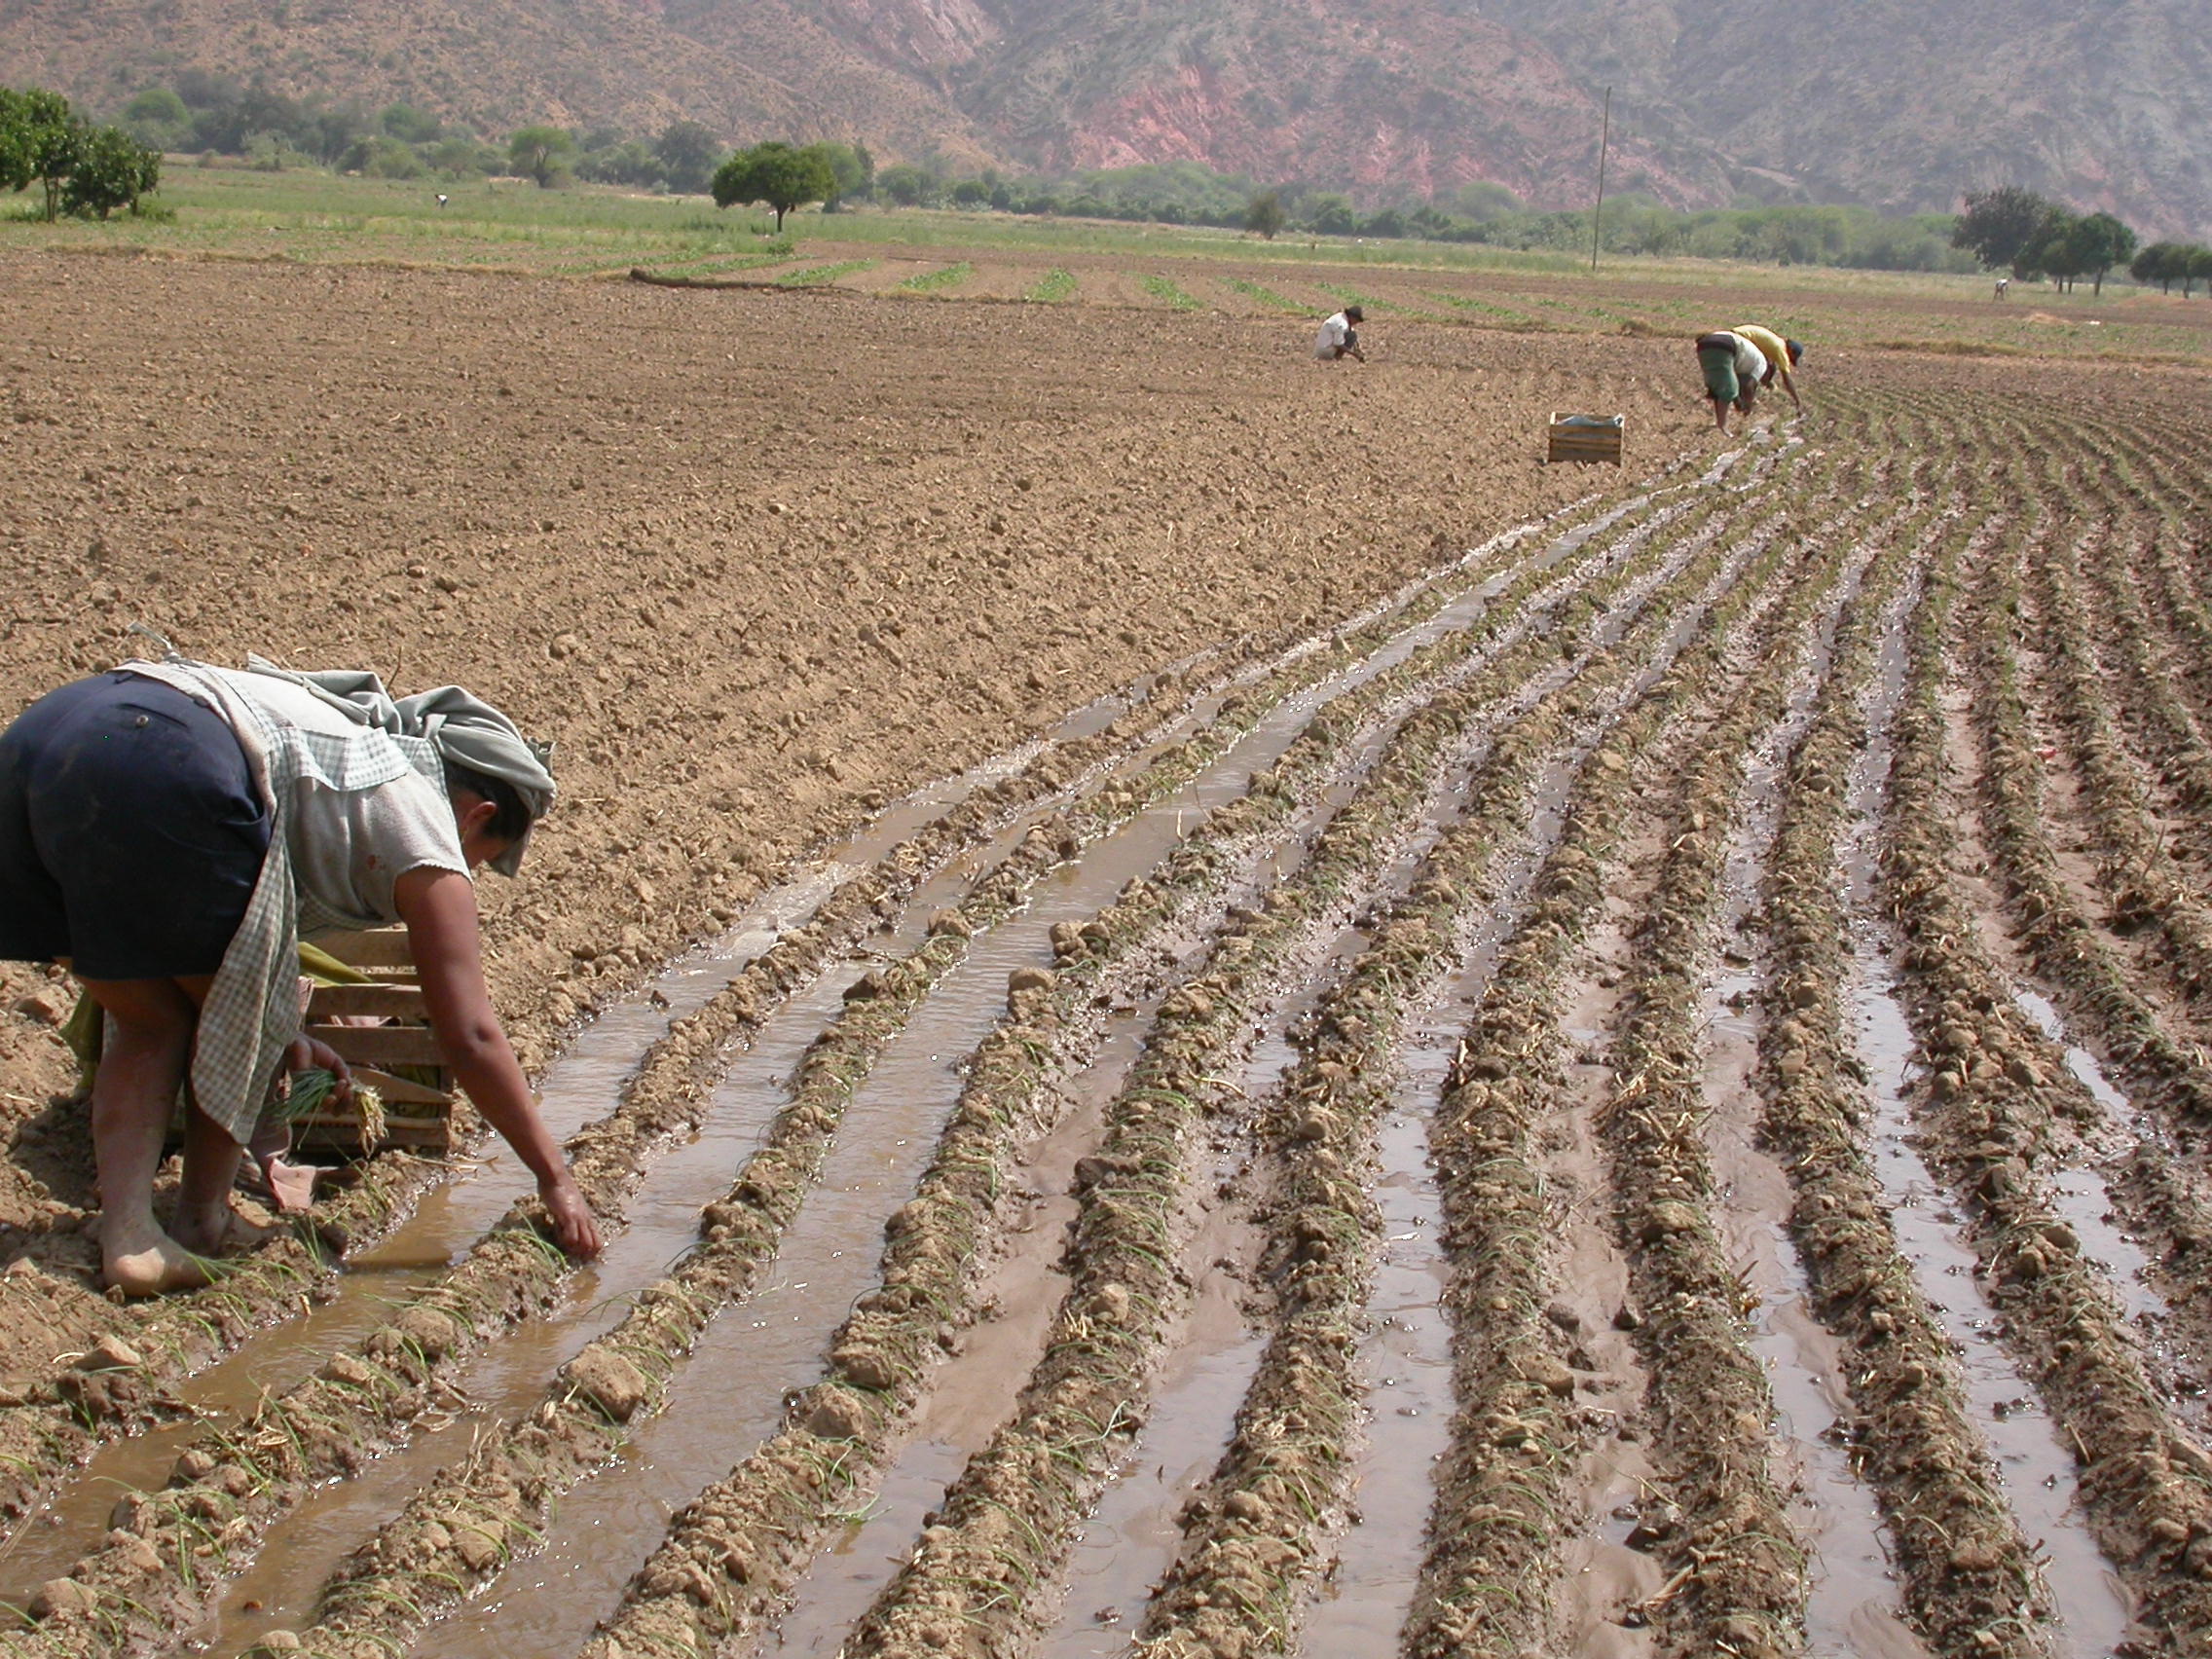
{"x": 416, "y": 1114}
{"x": 1586, "y": 437}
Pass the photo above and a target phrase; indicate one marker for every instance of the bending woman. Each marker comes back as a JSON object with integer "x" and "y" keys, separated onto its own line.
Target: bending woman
{"x": 170, "y": 830}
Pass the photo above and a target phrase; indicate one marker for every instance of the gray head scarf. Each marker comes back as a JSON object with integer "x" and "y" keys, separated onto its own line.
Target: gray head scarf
{"x": 461, "y": 726}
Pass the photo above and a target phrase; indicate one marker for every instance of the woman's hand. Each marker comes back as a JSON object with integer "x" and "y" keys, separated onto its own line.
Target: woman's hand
{"x": 439, "y": 908}
{"x": 574, "y": 1229}
{"x": 305, "y": 1053}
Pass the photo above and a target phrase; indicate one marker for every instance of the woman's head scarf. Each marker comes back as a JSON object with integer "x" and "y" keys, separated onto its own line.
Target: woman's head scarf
{"x": 461, "y": 726}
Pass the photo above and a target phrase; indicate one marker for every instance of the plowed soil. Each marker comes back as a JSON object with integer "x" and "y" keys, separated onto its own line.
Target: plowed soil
{"x": 1213, "y": 1012}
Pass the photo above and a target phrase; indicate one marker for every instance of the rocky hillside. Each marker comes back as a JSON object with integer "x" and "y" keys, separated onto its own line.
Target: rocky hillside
{"x": 1906, "y": 105}
{"x": 1878, "y": 101}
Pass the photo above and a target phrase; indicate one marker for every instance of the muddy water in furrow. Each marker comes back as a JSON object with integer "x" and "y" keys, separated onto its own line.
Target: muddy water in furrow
{"x": 1406, "y": 1353}
{"x": 977, "y": 1386}
{"x": 731, "y": 1396}
{"x": 579, "y": 1086}
{"x": 1133, "y": 1535}
{"x": 2084, "y": 1201}
{"x": 1131, "y": 1538}
{"x": 2037, "y": 1472}
{"x": 1850, "y": 1590}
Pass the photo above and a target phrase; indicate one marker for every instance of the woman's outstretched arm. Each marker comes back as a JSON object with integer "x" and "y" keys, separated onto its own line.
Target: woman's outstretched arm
{"x": 439, "y": 908}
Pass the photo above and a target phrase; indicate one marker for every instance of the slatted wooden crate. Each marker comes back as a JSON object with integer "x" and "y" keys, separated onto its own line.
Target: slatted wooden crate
{"x": 1586, "y": 437}
{"x": 417, "y": 1115}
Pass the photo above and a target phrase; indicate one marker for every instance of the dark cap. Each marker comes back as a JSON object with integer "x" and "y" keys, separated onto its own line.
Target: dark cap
{"x": 1353, "y": 314}
{"x": 1796, "y": 352}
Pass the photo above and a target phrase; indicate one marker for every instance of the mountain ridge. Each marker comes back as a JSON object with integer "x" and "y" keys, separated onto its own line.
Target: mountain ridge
{"x": 1895, "y": 106}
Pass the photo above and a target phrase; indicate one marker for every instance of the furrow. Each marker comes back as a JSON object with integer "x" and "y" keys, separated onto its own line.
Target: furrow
{"x": 1087, "y": 1393}
{"x": 2135, "y": 871}
{"x": 1252, "y": 1547}
{"x": 1996, "y": 1098}
{"x": 1969, "y": 1574}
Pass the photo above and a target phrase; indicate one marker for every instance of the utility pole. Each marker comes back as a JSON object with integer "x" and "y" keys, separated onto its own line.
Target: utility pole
{"x": 1598, "y": 213}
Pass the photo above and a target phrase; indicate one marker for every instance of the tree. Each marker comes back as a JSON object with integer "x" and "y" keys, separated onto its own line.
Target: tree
{"x": 688, "y": 151}
{"x": 541, "y": 153}
{"x": 2050, "y": 251}
{"x": 158, "y": 117}
{"x": 112, "y": 170}
{"x": 1999, "y": 224}
{"x": 776, "y": 173}
{"x": 39, "y": 142}
{"x": 457, "y": 156}
{"x": 2156, "y": 264}
{"x": 2095, "y": 243}
{"x": 1331, "y": 214}
{"x": 1264, "y": 215}
{"x": 851, "y": 165}
{"x": 379, "y": 155}
{"x": 411, "y": 125}
{"x": 2197, "y": 270}
{"x": 630, "y": 161}
{"x": 906, "y": 185}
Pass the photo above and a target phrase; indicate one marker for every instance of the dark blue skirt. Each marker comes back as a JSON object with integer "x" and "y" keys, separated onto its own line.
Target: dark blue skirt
{"x": 131, "y": 832}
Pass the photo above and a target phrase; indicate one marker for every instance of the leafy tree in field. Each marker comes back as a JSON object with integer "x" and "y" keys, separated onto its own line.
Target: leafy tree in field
{"x": 1331, "y": 214}
{"x": 2000, "y": 224}
{"x": 2195, "y": 267}
{"x": 158, "y": 117}
{"x": 411, "y": 125}
{"x": 630, "y": 161}
{"x": 112, "y": 170}
{"x": 909, "y": 186}
{"x": 970, "y": 193}
{"x": 851, "y": 165}
{"x": 1484, "y": 199}
{"x": 2095, "y": 243}
{"x": 776, "y": 173}
{"x": 381, "y": 156}
{"x": 38, "y": 142}
{"x": 2050, "y": 251}
{"x": 1265, "y": 216}
{"x": 454, "y": 156}
{"x": 2157, "y": 264}
{"x": 688, "y": 151}
{"x": 541, "y": 153}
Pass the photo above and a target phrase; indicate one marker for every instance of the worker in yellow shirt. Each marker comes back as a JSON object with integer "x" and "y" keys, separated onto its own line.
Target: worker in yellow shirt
{"x": 1781, "y": 358}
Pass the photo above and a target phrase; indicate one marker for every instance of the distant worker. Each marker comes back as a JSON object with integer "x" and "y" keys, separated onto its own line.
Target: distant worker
{"x": 1733, "y": 369}
{"x": 1339, "y": 338}
{"x": 1781, "y": 355}
{"x": 2004, "y": 286}
{"x": 441, "y": 199}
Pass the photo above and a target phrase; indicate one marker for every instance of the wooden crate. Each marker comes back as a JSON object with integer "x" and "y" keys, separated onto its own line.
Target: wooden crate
{"x": 1586, "y": 437}
{"x": 417, "y": 1116}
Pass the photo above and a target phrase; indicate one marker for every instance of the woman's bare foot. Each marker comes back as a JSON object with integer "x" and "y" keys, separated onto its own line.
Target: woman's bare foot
{"x": 220, "y": 1231}
{"x": 145, "y": 1261}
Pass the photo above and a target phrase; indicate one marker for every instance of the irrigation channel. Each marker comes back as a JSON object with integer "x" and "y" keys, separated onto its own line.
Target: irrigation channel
{"x": 1646, "y": 1097}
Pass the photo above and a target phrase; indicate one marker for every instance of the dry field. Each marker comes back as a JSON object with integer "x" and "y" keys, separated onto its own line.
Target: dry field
{"x": 1212, "y": 1014}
